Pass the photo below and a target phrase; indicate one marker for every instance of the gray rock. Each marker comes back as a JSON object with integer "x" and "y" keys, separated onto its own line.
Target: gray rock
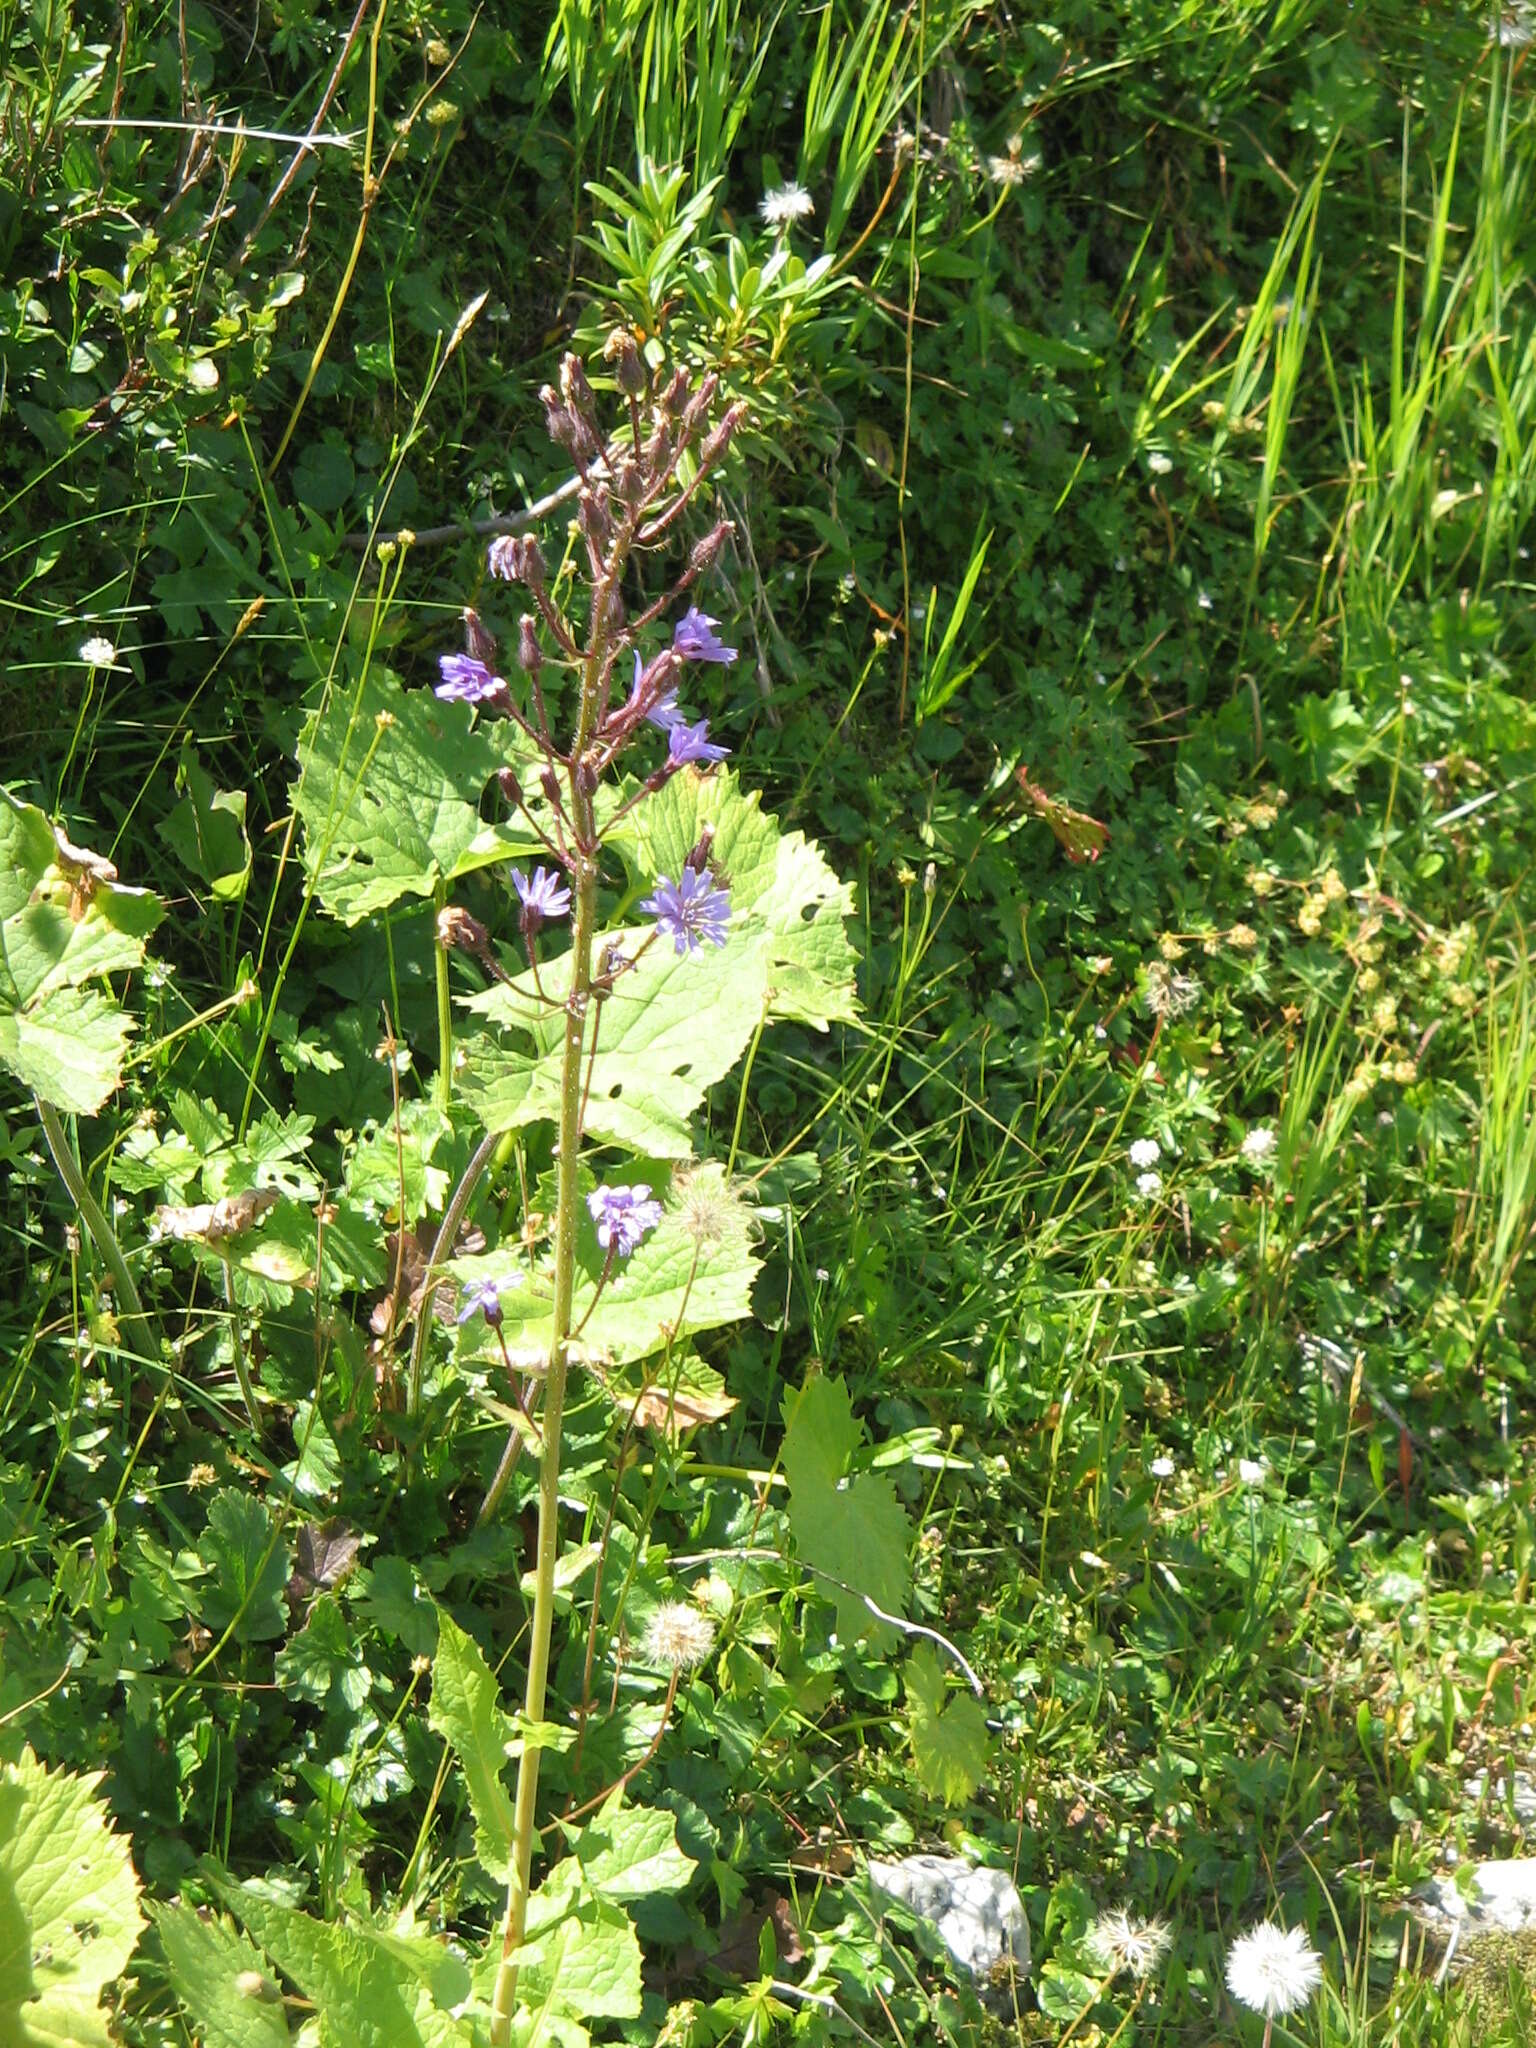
{"x": 1500, "y": 1899}
{"x": 975, "y": 1912}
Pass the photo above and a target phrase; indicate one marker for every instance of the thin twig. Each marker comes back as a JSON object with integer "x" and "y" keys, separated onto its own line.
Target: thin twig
{"x": 499, "y": 522}
{"x": 309, "y": 140}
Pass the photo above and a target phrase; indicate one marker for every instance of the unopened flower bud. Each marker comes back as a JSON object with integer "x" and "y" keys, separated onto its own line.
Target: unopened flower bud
{"x": 529, "y": 654}
{"x": 675, "y": 396}
{"x": 557, "y": 421}
{"x": 586, "y": 775}
{"x": 698, "y": 405}
{"x": 596, "y": 519}
{"x": 455, "y": 927}
{"x": 698, "y": 860}
{"x": 608, "y": 613}
{"x": 657, "y": 452}
{"x": 620, "y": 350}
{"x": 515, "y": 558}
{"x": 574, "y": 388}
{"x": 549, "y": 782}
{"x": 718, "y": 439}
{"x": 629, "y": 483}
{"x": 509, "y": 785}
{"x": 705, "y": 551}
{"x": 479, "y": 640}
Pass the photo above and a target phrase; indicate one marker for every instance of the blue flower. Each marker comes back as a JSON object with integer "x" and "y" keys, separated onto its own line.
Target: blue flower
{"x": 695, "y": 639}
{"x": 663, "y": 709}
{"x": 467, "y": 681}
{"x": 545, "y": 896}
{"x": 481, "y": 1298}
{"x": 623, "y": 1216}
{"x": 690, "y": 910}
{"x": 692, "y": 743}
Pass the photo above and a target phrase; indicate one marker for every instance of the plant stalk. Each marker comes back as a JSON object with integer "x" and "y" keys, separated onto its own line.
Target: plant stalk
{"x": 94, "y": 1218}
{"x": 576, "y": 1010}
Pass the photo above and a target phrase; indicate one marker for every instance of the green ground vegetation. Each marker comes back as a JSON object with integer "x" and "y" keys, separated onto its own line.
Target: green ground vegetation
{"x": 1131, "y": 575}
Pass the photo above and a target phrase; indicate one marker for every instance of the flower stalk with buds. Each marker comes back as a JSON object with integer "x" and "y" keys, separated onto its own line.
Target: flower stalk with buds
{"x": 632, "y": 495}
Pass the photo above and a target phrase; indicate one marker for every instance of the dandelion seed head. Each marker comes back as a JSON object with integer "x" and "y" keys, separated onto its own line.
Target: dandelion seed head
{"x": 1123, "y": 1943}
{"x": 678, "y": 1636}
{"x": 1168, "y": 994}
{"x": 1273, "y": 1970}
{"x": 1145, "y": 1152}
{"x": 785, "y": 204}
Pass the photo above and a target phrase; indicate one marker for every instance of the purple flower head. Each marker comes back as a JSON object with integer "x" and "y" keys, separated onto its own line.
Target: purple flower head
{"x": 695, "y": 639}
{"x": 545, "y": 896}
{"x": 467, "y": 680}
{"x": 623, "y": 1216}
{"x": 662, "y": 710}
{"x": 481, "y": 1298}
{"x": 687, "y": 743}
{"x": 690, "y": 910}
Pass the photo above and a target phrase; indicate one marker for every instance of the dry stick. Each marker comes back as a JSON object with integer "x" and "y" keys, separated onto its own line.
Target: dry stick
{"x": 306, "y": 147}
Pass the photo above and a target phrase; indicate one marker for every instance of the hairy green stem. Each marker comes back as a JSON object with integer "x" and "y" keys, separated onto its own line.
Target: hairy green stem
{"x": 453, "y": 1216}
{"x": 444, "y": 1005}
{"x": 577, "y": 1006}
{"x": 103, "y": 1236}
{"x": 237, "y": 1350}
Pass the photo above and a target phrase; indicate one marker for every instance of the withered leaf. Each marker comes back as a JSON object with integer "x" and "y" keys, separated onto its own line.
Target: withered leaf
{"x": 675, "y": 1409}
{"x": 323, "y": 1555}
{"x": 212, "y": 1222}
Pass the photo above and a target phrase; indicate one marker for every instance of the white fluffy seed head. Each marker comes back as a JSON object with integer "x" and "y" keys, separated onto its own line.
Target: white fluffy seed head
{"x": 1273, "y": 1970}
{"x": 1123, "y": 1944}
{"x": 786, "y": 204}
{"x": 678, "y": 1636}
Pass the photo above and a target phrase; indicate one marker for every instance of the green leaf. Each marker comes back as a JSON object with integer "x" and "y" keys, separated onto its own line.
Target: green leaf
{"x": 628, "y": 1853}
{"x": 68, "y": 1047}
{"x": 69, "y": 1908}
{"x": 781, "y": 888}
{"x": 465, "y": 1710}
{"x": 221, "y": 1978}
{"x": 581, "y": 1957}
{"x": 248, "y": 1566}
{"x": 672, "y": 1027}
{"x": 322, "y": 1663}
{"x": 389, "y": 794}
{"x": 206, "y": 830}
{"x": 855, "y": 1530}
{"x": 64, "y": 920}
{"x": 357, "y": 1987}
{"x": 948, "y": 1736}
{"x": 676, "y": 1283}
{"x": 675, "y": 1024}
{"x": 820, "y": 1434}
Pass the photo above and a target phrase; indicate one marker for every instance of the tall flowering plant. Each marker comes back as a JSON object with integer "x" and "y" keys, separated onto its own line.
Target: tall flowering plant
{"x": 661, "y": 920}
